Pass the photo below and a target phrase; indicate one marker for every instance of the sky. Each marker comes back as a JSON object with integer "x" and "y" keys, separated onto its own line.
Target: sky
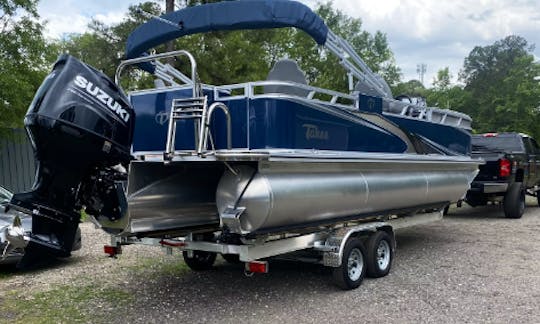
{"x": 438, "y": 34}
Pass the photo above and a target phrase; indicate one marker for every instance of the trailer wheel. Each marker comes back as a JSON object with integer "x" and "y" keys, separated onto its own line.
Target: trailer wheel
{"x": 201, "y": 260}
{"x": 380, "y": 254}
{"x": 445, "y": 210}
{"x": 514, "y": 201}
{"x": 353, "y": 266}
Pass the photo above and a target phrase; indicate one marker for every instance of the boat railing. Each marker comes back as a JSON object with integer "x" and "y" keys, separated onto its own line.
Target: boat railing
{"x": 431, "y": 114}
{"x": 163, "y": 71}
{"x": 197, "y": 110}
{"x": 205, "y": 130}
{"x": 259, "y": 89}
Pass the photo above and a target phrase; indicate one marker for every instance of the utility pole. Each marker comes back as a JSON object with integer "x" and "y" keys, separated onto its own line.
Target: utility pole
{"x": 421, "y": 70}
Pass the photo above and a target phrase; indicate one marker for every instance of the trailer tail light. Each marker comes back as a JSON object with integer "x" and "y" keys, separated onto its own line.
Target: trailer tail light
{"x": 111, "y": 250}
{"x": 505, "y": 168}
{"x": 257, "y": 266}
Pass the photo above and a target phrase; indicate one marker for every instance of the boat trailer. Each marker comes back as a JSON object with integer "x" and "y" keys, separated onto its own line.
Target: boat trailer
{"x": 353, "y": 249}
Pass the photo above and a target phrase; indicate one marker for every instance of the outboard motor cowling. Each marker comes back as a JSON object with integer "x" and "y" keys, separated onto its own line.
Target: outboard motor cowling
{"x": 80, "y": 125}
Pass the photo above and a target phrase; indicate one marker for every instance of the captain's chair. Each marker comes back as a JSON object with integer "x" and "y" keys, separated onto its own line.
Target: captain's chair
{"x": 286, "y": 70}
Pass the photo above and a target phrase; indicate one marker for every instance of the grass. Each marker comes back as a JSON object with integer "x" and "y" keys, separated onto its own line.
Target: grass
{"x": 168, "y": 266}
{"x": 63, "y": 304}
{"x": 87, "y": 303}
{"x": 5, "y": 275}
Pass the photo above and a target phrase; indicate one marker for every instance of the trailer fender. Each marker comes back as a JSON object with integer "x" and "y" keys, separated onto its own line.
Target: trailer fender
{"x": 335, "y": 243}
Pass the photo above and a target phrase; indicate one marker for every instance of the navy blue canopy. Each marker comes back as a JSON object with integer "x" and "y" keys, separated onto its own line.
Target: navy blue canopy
{"x": 226, "y": 15}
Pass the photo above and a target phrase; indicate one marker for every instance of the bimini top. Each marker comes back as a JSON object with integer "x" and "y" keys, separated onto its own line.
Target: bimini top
{"x": 226, "y": 15}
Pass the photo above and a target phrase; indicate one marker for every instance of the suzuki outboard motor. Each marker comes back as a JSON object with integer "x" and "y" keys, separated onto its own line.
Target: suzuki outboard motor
{"x": 81, "y": 127}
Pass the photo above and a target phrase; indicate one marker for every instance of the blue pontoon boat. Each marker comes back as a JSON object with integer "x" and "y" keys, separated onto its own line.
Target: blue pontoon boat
{"x": 228, "y": 164}
{"x": 270, "y": 154}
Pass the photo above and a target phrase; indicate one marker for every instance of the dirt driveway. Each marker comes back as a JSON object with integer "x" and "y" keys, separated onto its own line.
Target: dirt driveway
{"x": 473, "y": 266}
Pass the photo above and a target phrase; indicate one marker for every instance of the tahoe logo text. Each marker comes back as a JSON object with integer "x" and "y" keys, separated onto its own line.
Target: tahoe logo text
{"x": 313, "y": 132}
{"x": 101, "y": 96}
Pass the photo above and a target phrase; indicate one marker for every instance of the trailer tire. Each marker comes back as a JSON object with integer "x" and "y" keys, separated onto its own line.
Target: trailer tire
{"x": 200, "y": 261}
{"x": 351, "y": 272}
{"x": 445, "y": 210}
{"x": 380, "y": 254}
{"x": 514, "y": 201}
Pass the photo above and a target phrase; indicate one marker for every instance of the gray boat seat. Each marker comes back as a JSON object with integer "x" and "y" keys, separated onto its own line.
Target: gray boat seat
{"x": 286, "y": 70}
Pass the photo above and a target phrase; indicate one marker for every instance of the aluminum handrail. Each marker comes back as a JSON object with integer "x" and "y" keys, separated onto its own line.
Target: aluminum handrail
{"x": 155, "y": 57}
{"x": 207, "y": 117}
{"x": 249, "y": 92}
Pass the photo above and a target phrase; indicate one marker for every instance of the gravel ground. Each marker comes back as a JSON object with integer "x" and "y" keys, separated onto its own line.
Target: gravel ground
{"x": 473, "y": 266}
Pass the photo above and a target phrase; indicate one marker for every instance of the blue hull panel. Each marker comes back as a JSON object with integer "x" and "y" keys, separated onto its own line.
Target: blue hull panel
{"x": 262, "y": 123}
{"x": 453, "y": 138}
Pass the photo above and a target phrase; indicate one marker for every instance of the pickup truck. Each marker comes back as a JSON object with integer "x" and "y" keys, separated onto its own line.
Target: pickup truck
{"x": 512, "y": 170}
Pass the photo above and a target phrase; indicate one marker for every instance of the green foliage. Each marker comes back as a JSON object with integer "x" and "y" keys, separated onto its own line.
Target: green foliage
{"x": 165, "y": 266}
{"x": 503, "y": 95}
{"x": 103, "y": 46}
{"x": 445, "y": 95}
{"x": 443, "y": 79}
{"x": 412, "y": 88}
{"x": 24, "y": 59}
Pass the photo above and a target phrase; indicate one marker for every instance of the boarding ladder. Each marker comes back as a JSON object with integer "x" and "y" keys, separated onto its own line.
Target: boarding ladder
{"x": 196, "y": 109}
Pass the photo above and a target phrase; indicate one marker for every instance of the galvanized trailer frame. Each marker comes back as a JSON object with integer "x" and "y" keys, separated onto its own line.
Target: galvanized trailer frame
{"x": 326, "y": 244}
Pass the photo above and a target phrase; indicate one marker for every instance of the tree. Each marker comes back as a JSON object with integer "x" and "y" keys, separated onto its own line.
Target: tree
{"x": 24, "y": 58}
{"x": 103, "y": 46}
{"x": 443, "y": 79}
{"x": 503, "y": 96}
{"x": 443, "y": 94}
{"x": 411, "y": 88}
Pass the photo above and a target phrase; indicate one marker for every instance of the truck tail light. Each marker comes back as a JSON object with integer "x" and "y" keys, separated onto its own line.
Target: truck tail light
{"x": 505, "y": 168}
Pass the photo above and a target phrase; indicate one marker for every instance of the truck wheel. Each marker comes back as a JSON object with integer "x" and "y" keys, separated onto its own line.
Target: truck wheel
{"x": 353, "y": 267}
{"x": 380, "y": 254}
{"x": 201, "y": 260}
{"x": 514, "y": 201}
